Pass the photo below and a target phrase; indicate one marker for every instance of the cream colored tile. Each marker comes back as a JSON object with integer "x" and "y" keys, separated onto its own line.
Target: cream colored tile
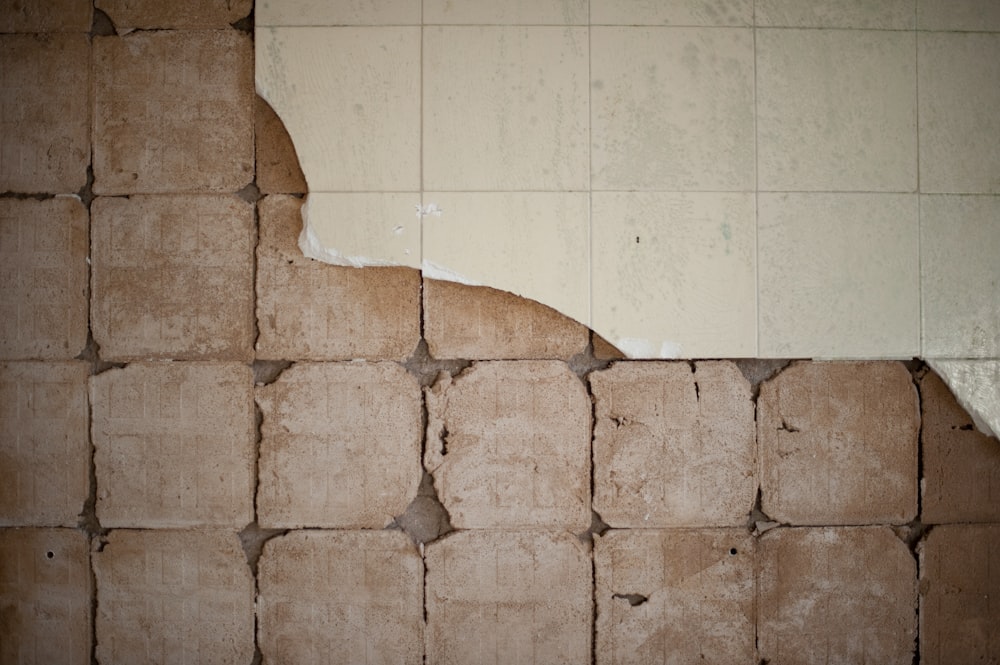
{"x": 520, "y": 12}
{"x": 959, "y": 122}
{"x": 505, "y": 108}
{"x": 836, "y": 110}
{"x": 350, "y": 99}
{"x": 881, "y": 15}
{"x": 838, "y": 275}
{"x": 735, "y": 13}
{"x": 960, "y": 276}
{"x": 362, "y": 229}
{"x": 672, "y": 108}
{"x": 674, "y": 274}
{"x": 972, "y": 15}
{"x": 340, "y": 12}
{"x": 533, "y": 244}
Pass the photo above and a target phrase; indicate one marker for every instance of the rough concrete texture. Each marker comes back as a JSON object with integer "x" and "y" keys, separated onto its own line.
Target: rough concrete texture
{"x": 508, "y": 597}
{"x": 173, "y": 596}
{"x": 45, "y": 593}
{"x": 674, "y": 445}
{"x": 507, "y": 444}
{"x": 605, "y": 350}
{"x": 836, "y": 596}
{"x": 309, "y": 310}
{"x": 278, "y": 170}
{"x": 173, "y": 277}
{"x": 341, "y": 597}
{"x": 675, "y": 596}
{"x": 474, "y": 322}
{"x": 174, "y": 445}
{"x": 43, "y": 278}
{"x": 44, "y": 118}
{"x": 838, "y": 444}
{"x": 48, "y": 16}
{"x": 340, "y": 445}
{"x": 173, "y": 112}
{"x": 961, "y": 466}
{"x": 44, "y": 449}
{"x": 959, "y": 587}
{"x": 156, "y": 14}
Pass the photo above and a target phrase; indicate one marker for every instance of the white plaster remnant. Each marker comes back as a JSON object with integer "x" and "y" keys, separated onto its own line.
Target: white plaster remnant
{"x": 633, "y": 347}
{"x": 433, "y": 270}
{"x": 976, "y": 385}
{"x": 429, "y": 209}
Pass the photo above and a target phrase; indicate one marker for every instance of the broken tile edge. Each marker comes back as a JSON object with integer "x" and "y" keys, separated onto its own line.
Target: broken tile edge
{"x": 976, "y": 386}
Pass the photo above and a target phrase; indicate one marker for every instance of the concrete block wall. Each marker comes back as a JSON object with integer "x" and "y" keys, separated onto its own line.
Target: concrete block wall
{"x": 217, "y": 450}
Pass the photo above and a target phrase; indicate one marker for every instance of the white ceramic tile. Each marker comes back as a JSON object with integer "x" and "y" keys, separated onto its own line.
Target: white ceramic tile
{"x": 362, "y": 229}
{"x": 510, "y": 12}
{"x": 960, "y": 276}
{"x": 533, "y": 244}
{"x": 505, "y": 108}
{"x": 337, "y": 12}
{"x": 959, "y": 112}
{"x": 350, "y": 99}
{"x": 732, "y": 13}
{"x": 882, "y": 15}
{"x": 672, "y": 109}
{"x": 836, "y": 110}
{"x": 973, "y": 15}
{"x": 838, "y": 275}
{"x": 674, "y": 273}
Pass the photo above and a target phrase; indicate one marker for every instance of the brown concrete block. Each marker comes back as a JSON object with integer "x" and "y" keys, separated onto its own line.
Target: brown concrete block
{"x": 838, "y": 444}
{"x": 48, "y": 16}
{"x": 508, "y": 446}
{"x": 961, "y": 480}
{"x": 836, "y": 595}
{"x": 172, "y": 277}
{"x": 44, "y": 449}
{"x": 157, "y": 15}
{"x": 173, "y": 596}
{"x": 173, "y": 112}
{"x": 278, "y": 170}
{"x": 605, "y": 350}
{"x": 340, "y": 445}
{"x": 341, "y": 597}
{"x": 45, "y": 595}
{"x": 675, "y": 596}
{"x": 959, "y": 587}
{"x": 44, "y": 113}
{"x": 309, "y": 310}
{"x": 174, "y": 445}
{"x": 43, "y": 278}
{"x": 463, "y": 321}
{"x": 672, "y": 446}
{"x": 508, "y": 597}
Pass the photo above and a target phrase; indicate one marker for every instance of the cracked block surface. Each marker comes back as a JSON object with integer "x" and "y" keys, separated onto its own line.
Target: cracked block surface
{"x": 340, "y": 445}
{"x": 45, "y": 592}
{"x": 155, "y": 14}
{"x": 173, "y": 112}
{"x": 341, "y": 597}
{"x": 836, "y": 595}
{"x": 173, "y": 277}
{"x": 173, "y": 596}
{"x": 44, "y": 448}
{"x": 959, "y": 585}
{"x": 43, "y": 278}
{"x": 48, "y": 16}
{"x": 675, "y": 596}
{"x": 278, "y": 170}
{"x": 507, "y": 444}
{"x": 961, "y": 466}
{"x": 463, "y": 321}
{"x": 174, "y": 445}
{"x": 838, "y": 444}
{"x": 310, "y": 310}
{"x": 673, "y": 445}
{"x": 508, "y": 597}
{"x": 44, "y": 114}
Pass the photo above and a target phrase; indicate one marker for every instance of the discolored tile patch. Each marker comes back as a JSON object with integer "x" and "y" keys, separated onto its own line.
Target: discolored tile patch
{"x": 356, "y": 594}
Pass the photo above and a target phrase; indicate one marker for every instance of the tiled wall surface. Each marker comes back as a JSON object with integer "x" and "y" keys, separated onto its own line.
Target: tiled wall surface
{"x": 216, "y": 450}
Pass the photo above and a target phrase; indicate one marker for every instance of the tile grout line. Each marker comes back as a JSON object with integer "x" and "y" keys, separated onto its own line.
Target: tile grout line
{"x": 590, "y": 169}
{"x": 920, "y": 230}
{"x": 756, "y": 190}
